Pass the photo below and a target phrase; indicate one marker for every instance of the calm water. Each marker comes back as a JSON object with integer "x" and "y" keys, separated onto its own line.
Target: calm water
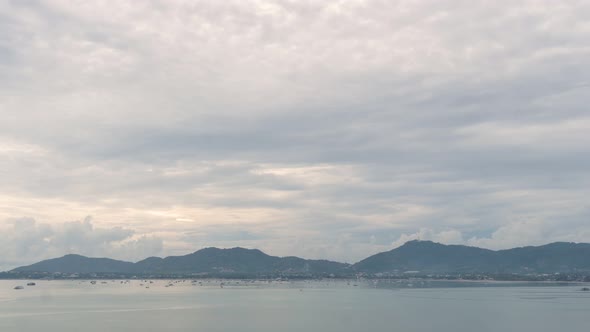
{"x": 302, "y": 306}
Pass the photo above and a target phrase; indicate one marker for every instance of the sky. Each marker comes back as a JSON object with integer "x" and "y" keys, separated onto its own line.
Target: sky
{"x": 321, "y": 129}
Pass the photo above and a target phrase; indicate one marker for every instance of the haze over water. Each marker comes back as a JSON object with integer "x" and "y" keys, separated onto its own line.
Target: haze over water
{"x": 290, "y": 306}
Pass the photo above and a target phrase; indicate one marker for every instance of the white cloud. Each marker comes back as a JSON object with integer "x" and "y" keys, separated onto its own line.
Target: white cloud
{"x": 325, "y": 129}
{"x": 426, "y": 234}
{"x": 25, "y": 241}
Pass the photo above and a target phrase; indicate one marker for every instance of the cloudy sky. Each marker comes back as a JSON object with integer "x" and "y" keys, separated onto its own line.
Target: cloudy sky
{"x": 312, "y": 128}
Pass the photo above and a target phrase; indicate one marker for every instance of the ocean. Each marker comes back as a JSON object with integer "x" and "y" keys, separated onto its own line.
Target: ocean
{"x": 216, "y": 305}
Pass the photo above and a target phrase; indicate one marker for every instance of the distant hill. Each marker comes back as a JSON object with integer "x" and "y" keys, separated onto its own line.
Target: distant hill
{"x": 205, "y": 261}
{"x": 418, "y": 256}
{"x": 78, "y": 264}
{"x": 236, "y": 260}
{"x": 430, "y": 257}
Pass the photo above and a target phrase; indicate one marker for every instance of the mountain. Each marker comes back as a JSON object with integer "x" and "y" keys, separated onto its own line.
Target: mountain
{"x": 422, "y": 256}
{"x": 236, "y": 260}
{"x": 553, "y": 257}
{"x": 78, "y": 264}
{"x": 205, "y": 261}
{"x": 430, "y": 257}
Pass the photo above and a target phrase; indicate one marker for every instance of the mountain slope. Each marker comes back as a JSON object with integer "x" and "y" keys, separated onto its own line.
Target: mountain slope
{"x": 212, "y": 260}
{"x": 549, "y": 258}
{"x": 236, "y": 260}
{"x": 422, "y": 256}
{"x": 430, "y": 257}
{"x": 78, "y": 264}
{"x": 206, "y": 261}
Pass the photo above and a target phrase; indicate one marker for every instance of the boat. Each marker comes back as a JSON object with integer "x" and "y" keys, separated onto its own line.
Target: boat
{"x": 585, "y": 289}
{"x": 19, "y": 287}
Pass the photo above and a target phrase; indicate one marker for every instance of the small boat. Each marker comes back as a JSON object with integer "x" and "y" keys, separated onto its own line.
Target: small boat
{"x": 31, "y": 284}
{"x": 19, "y": 287}
{"x": 585, "y": 289}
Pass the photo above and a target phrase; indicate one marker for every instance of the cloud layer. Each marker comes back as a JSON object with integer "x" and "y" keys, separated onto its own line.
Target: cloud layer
{"x": 27, "y": 240}
{"x": 317, "y": 129}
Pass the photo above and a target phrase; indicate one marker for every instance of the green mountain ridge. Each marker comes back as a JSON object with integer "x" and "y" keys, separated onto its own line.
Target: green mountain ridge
{"x": 420, "y": 256}
{"x": 430, "y": 257}
{"x": 205, "y": 261}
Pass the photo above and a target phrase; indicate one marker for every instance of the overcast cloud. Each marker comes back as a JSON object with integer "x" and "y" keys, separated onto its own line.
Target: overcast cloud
{"x": 312, "y": 128}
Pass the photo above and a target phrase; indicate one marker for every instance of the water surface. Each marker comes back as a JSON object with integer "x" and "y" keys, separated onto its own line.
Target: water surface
{"x": 291, "y": 306}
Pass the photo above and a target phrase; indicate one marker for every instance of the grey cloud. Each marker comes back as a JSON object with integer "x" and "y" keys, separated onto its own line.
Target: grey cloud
{"x": 442, "y": 116}
{"x": 26, "y": 241}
